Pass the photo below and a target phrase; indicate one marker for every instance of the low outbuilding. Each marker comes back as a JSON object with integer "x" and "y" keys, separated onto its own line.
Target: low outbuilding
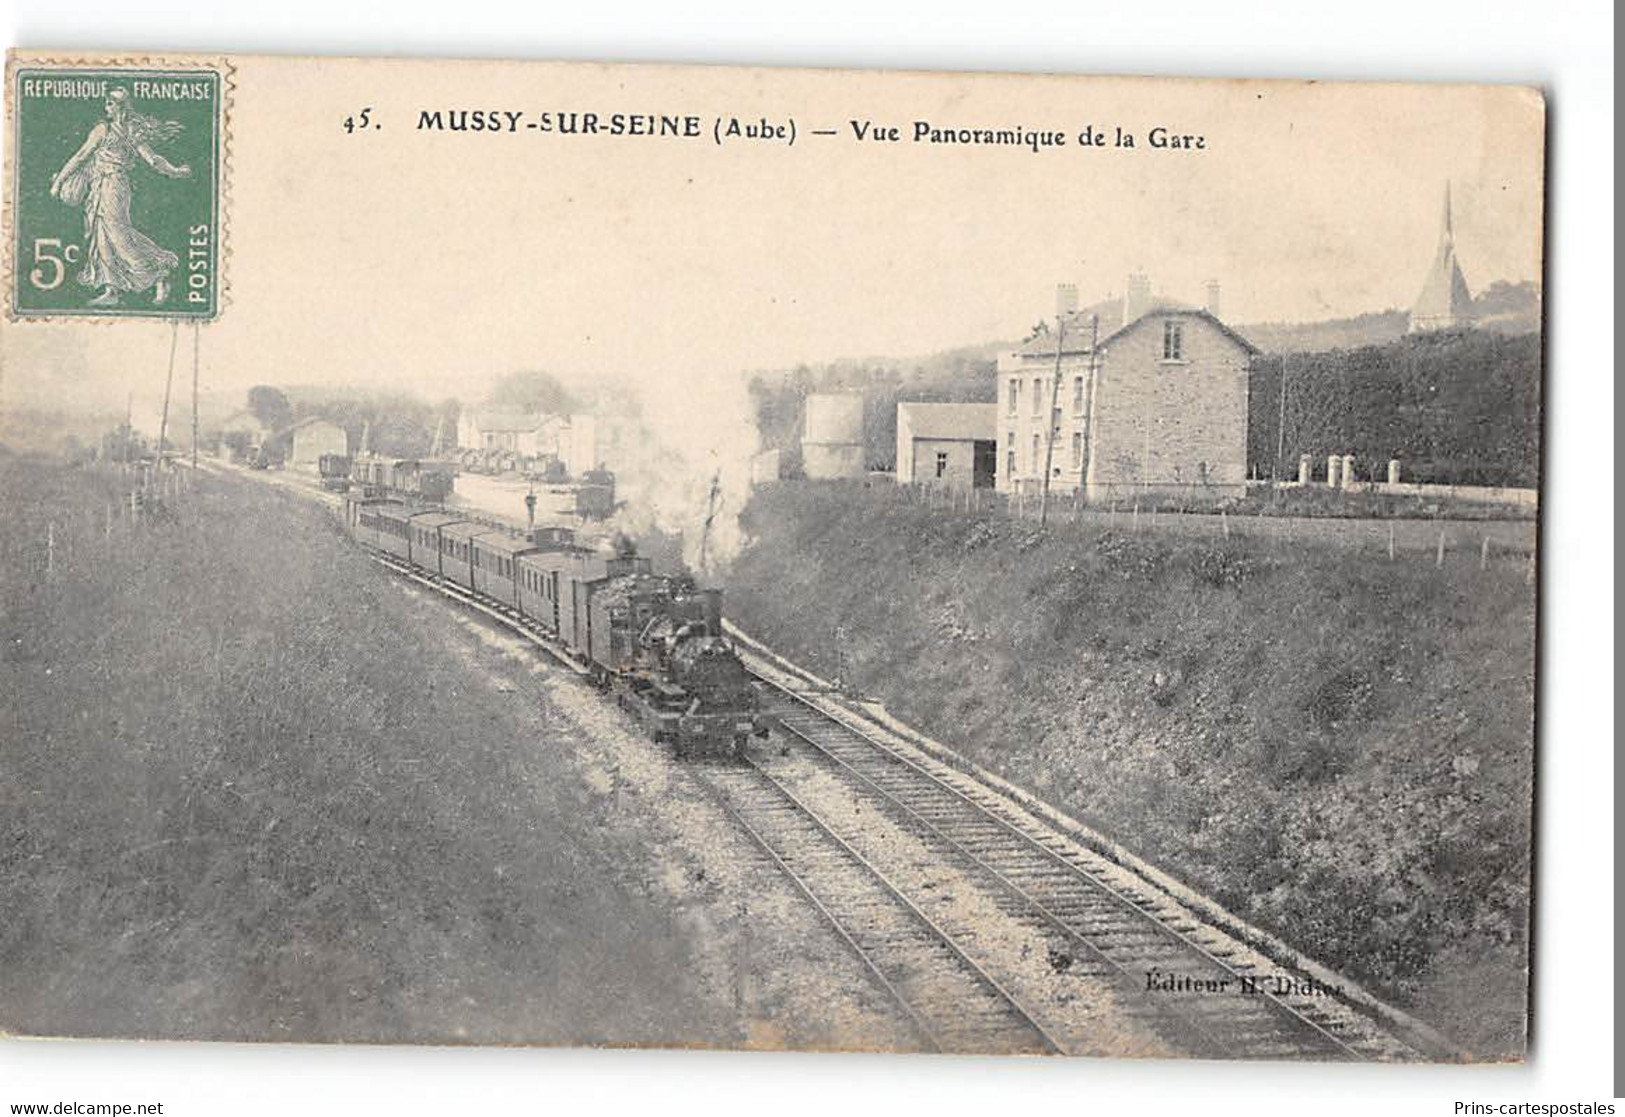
{"x": 951, "y": 445}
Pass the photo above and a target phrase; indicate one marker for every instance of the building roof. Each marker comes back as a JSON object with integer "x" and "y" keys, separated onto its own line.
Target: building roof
{"x": 310, "y": 422}
{"x": 951, "y": 421}
{"x": 1079, "y": 328}
{"x": 1167, "y": 309}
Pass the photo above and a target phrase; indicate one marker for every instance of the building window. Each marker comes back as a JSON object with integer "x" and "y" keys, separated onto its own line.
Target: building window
{"x": 942, "y": 463}
{"x": 1010, "y": 455}
{"x": 1015, "y": 395}
{"x": 1037, "y": 467}
{"x": 1038, "y": 396}
{"x": 1077, "y": 395}
{"x": 1077, "y": 450}
{"x": 1172, "y": 340}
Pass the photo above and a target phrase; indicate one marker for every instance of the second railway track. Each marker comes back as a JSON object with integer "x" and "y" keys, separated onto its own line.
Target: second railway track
{"x": 1195, "y": 987}
{"x": 951, "y": 1000}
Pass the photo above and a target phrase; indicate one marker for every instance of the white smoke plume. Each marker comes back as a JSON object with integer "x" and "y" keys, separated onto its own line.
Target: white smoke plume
{"x": 689, "y": 433}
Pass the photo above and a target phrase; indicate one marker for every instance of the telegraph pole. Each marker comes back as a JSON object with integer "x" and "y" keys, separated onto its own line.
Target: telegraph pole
{"x": 1280, "y": 436}
{"x": 169, "y": 381}
{"x": 1088, "y": 456}
{"x": 1049, "y": 419}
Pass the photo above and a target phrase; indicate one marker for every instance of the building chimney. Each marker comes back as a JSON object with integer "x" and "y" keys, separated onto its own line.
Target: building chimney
{"x": 1066, "y": 299}
{"x": 1213, "y": 297}
{"x": 1136, "y": 297}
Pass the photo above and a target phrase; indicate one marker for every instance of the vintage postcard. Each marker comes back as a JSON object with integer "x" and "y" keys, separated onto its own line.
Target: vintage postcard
{"x": 563, "y": 554}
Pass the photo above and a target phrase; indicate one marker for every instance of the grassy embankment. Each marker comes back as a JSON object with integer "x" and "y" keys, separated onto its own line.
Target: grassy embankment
{"x": 249, "y": 789}
{"x": 1335, "y": 747}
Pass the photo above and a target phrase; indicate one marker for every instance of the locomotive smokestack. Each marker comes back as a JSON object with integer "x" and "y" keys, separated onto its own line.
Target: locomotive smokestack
{"x": 713, "y": 610}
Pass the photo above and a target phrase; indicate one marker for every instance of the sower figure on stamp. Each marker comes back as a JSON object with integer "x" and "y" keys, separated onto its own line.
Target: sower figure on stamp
{"x": 118, "y": 257}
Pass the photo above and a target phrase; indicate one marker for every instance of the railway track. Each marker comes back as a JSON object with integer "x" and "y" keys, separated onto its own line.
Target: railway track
{"x": 1210, "y": 998}
{"x": 954, "y": 1004}
{"x": 942, "y": 980}
{"x": 953, "y": 989}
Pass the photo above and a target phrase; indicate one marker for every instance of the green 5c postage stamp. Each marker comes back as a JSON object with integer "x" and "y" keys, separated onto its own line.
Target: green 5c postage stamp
{"x": 115, "y": 191}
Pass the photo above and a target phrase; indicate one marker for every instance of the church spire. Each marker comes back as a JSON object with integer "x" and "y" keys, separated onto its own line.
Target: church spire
{"x": 1445, "y": 301}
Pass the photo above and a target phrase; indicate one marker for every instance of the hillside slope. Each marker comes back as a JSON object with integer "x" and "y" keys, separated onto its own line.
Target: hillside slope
{"x": 1335, "y": 749}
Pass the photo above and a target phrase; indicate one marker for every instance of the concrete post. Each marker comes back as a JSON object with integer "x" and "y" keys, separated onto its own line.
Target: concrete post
{"x": 1305, "y": 467}
{"x": 1393, "y": 471}
{"x": 1334, "y": 471}
{"x": 1348, "y": 471}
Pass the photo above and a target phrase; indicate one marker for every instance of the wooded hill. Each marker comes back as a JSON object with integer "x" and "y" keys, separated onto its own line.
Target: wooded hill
{"x": 1507, "y": 308}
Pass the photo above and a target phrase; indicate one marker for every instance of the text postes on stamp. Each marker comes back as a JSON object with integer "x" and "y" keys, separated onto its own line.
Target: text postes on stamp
{"x": 116, "y": 192}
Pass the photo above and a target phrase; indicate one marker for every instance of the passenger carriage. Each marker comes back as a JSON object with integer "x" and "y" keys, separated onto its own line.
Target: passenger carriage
{"x": 496, "y": 572}
{"x": 544, "y": 573}
{"x": 361, "y": 517}
{"x": 427, "y": 549}
{"x": 457, "y": 551}
{"x": 394, "y": 530}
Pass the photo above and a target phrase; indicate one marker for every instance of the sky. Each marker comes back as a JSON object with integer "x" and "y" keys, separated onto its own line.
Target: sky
{"x": 435, "y": 262}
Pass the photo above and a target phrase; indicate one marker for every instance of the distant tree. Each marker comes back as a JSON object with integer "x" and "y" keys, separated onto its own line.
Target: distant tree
{"x": 448, "y": 411}
{"x": 270, "y": 406}
{"x": 1509, "y": 307}
{"x": 532, "y": 391}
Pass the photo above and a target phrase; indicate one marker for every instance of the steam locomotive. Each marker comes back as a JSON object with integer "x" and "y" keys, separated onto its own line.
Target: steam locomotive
{"x": 654, "y": 641}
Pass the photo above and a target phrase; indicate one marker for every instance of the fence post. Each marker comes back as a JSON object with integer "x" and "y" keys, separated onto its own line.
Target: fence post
{"x": 1484, "y": 554}
{"x": 50, "y": 549}
{"x": 1439, "y": 558}
{"x": 1224, "y": 523}
{"x": 1390, "y": 541}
